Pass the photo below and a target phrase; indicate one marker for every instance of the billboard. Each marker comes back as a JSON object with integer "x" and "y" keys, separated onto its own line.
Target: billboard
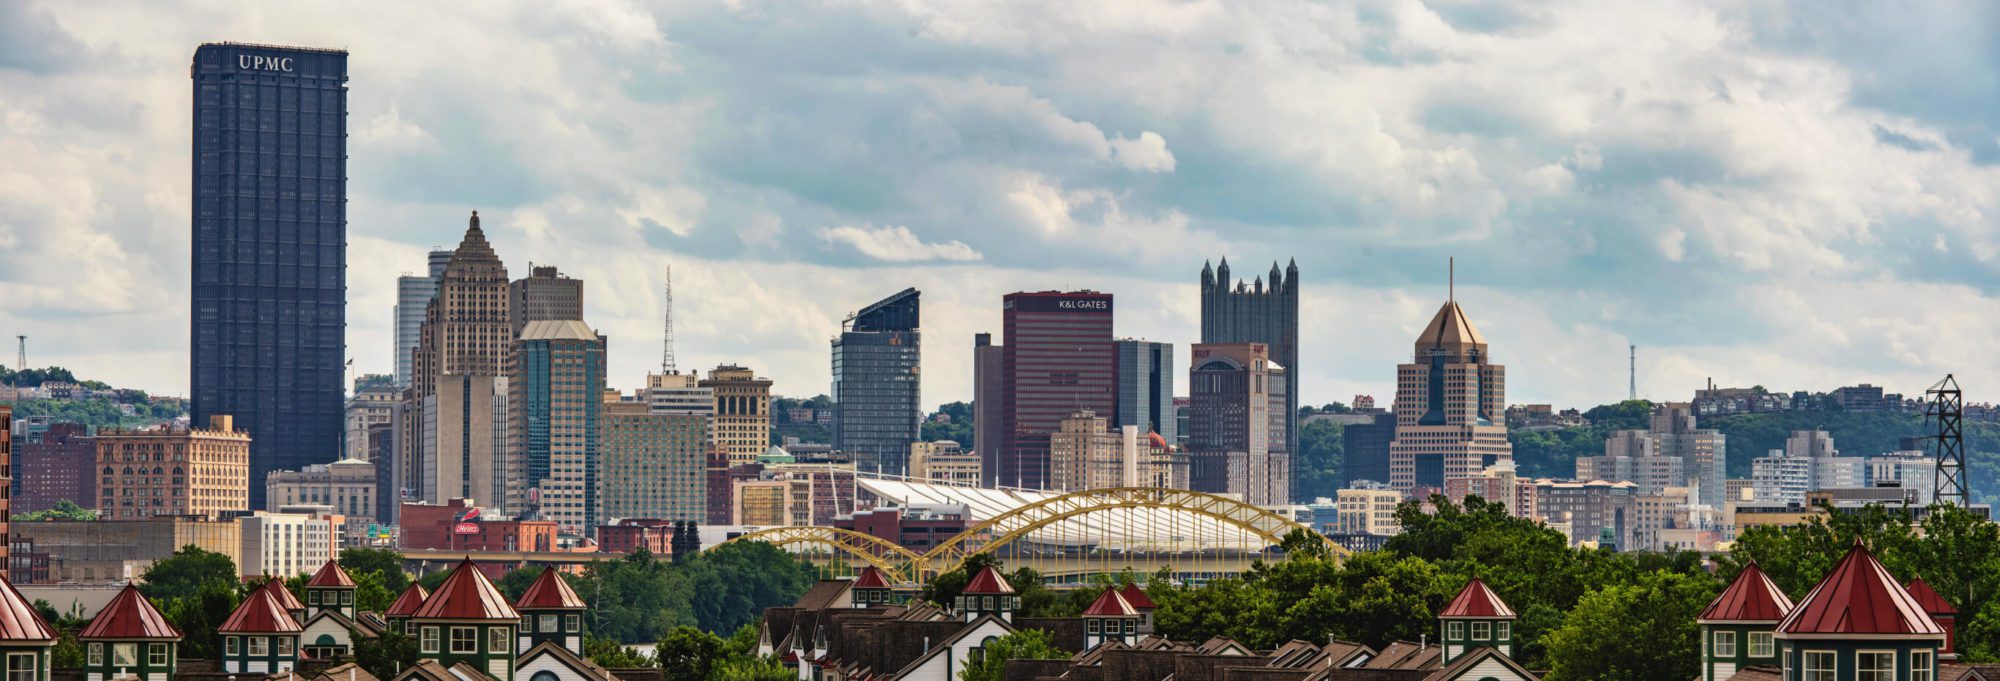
{"x": 466, "y": 528}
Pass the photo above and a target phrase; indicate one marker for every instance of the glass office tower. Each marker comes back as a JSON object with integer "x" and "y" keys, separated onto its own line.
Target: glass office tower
{"x": 270, "y": 222}
{"x": 876, "y": 384}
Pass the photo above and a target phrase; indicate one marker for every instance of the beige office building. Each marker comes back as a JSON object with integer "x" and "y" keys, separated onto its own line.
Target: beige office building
{"x": 171, "y": 470}
{"x": 943, "y": 463}
{"x": 742, "y": 425}
{"x": 347, "y": 486}
{"x": 651, "y": 464}
{"x": 1451, "y": 404}
{"x": 1085, "y": 454}
{"x": 1367, "y": 511}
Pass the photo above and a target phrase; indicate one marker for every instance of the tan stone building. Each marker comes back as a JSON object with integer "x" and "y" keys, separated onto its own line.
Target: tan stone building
{"x": 1451, "y": 404}
{"x": 943, "y": 463}
{"x": 96, "y": 552}
{"x": 651, "y": 464}
{"x": 173, "y": 471}
{"x": 742, "y": 425}
{"x": 1367, "y": 511}
{"x": 347, "y": 486}
{"x": 1085, "y": 454}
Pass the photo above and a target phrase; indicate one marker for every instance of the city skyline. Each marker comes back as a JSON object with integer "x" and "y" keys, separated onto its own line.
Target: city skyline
{"x": 1579, "y": 240}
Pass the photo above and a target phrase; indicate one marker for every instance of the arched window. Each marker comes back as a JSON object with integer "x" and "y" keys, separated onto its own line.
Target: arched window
{"x": 128, "y": 470}
{"x": 108, "y": 471}
{"x": 159, "y": 471}
{"x": 544, "y": 675}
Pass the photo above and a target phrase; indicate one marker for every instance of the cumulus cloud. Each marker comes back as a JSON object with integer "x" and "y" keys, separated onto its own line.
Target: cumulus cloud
{"x": 1709, "y": 180}
{"x": 896, "y": 243}
{"x": 1146, "y": 154}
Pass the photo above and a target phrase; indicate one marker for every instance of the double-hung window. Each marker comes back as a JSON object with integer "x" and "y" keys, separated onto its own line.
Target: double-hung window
{"x": 1482, "y": 631}
{"x": 1761, "y": 644}
{"x": 21, "y": 667}
{"x": 1922, "y": 665}
{"x": 1725, "y": 644}
{"x": 429, "y": 641}
{"x": 464, "y": 640}
{"x": 1875, "y": 665}
{"x": 1816, "y": 665}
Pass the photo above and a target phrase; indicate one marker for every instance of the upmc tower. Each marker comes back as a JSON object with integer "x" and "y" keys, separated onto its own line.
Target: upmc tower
{"x": 270, "y": 232}
{"x": 1059, "y": 358}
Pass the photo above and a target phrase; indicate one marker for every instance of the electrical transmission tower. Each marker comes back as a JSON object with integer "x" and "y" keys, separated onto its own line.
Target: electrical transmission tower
{"x": 1945, "y": 408}
{"x": 667, "y": 354}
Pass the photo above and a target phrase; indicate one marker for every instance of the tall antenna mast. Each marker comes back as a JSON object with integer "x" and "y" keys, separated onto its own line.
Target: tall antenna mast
{"x": 667, "y": 354}
{"x": 21, "y": 360}
{"x": 1632, "y": 392}
{"x": 1451, "y": 279}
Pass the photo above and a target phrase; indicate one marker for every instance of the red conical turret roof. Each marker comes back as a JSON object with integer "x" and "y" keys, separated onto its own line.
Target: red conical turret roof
{"x": 1110, "y": 604}
{"x": 549, "y": 592}
{"x": 1137, "y": 597}
{"x": 1927, "y": 597}
{"x": 330, "y": 576}
{"x": 260, "y": 614}
{"x": 870, "y": 578}
{"x": 281, "y": 595}
{"x": 19, "y": 621}
{"x": 407, "y": 603}
{"x": 466, "y": 595}
{"x": 1476, "y": 601}
{"x": 129, "y": 615}
{"x": 1753, "y": 597}
{"x": 1859, "y": 597}
{"x": 988, "y": 581}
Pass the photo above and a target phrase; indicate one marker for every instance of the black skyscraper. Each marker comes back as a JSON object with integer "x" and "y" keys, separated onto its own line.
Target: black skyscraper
{"x": 875, "y": 384}
{"x": 1257, "y": 312}
{"x": 270, "y": 232}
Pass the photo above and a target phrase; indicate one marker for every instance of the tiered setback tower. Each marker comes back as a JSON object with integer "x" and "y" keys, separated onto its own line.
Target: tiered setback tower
{"x": 269, "y": 292}
{"x": 1266, "y": 311}
{"x": 455, "y": 443}
{"x": 1450, "y": 407}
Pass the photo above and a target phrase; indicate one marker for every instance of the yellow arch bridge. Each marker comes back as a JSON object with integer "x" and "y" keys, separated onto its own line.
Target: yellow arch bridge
{"x": 1071, "y": 537}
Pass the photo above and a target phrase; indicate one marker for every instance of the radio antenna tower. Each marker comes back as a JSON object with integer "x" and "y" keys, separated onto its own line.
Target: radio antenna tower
{"x": 667, "y": 354}
{"x": 1946, "y": 409}
{"x": 1632, "y": 369}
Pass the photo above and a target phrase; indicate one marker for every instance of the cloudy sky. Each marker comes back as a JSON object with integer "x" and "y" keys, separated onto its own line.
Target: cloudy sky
{"x": 1787, "y": 194}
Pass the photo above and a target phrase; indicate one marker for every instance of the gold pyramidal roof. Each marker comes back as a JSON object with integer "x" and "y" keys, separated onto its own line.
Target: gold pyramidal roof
{"x": 1451, "y": 331}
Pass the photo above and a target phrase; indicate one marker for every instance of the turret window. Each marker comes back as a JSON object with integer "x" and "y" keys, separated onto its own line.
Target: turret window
{"x": 464, "y": 640}
{"x": 1503, "y": 631}
{"x": 429, "y": 640}
{"x": 96, "y": 655}
{"x": 1817, "y": 666}
{"x": 573, "y": 623}
{"x": 1921, "y": 666}
{"x": 496, "y": 640}
{"x": 124, "y": 654}
{"x": 21, "y": 667}
{"x": 231, "y": 646}
{"x": 1454, "y": 631}
{"x": 284, "y": 646}
{"x": 1482, "y": 631}
{"x": 1725, "y": 644}
{"x": 1875, "y": 665}
{"x": 260, "y": 646}
{"x": 157, "y": 654}
{"x": 1761, "y": 644}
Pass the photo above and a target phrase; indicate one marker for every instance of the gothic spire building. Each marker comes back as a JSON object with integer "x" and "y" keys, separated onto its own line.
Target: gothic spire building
{"x": 1265, "y": 310}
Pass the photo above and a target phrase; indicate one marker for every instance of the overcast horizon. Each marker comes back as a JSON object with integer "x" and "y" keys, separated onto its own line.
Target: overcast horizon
{"x": 1759, "y": 193}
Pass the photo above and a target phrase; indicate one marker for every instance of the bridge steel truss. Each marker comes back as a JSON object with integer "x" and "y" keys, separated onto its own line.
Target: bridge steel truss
{"x": 1071, "y": 527}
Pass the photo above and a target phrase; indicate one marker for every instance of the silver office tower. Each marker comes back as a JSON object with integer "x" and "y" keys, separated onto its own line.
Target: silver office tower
{"x": 413, "y": 295}
{"x": 269, "y": 290}
{"x": 1262, "y": 311}
{"x": 876, "y": 384}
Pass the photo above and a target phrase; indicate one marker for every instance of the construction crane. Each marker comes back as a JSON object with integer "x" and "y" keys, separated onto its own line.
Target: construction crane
{"x": 1943, "y": 412}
